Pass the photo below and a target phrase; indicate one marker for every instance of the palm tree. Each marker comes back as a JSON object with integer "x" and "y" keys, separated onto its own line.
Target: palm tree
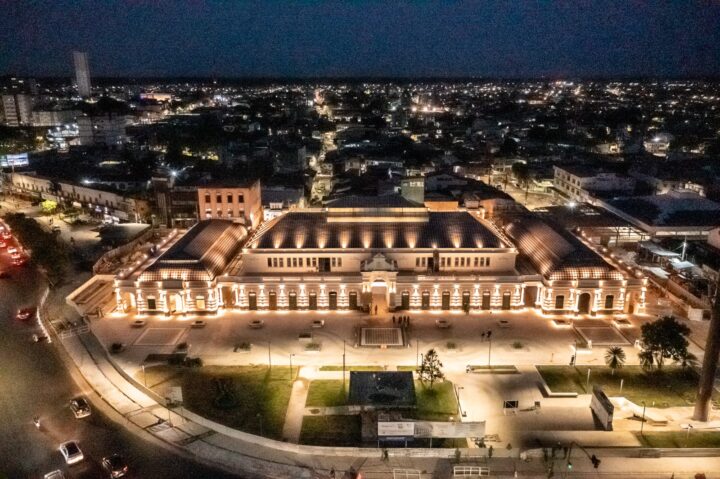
{"x": 688, "y": 360}
{"x": 647, "y": 360}
{"x": 615, "y": 358}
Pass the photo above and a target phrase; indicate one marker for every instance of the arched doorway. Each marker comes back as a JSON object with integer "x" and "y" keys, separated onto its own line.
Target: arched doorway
{"x": 292, "y": 301}
{"x": 252, "y": 301}
{"x": 176, "y": 303}
{"x": 425, "y": 300}
{"x": 333, "y": 300}
{"x": 272, "y": 301}
{"x": 466, "y": 301}
{"x": 446, "y": 300}
{"x": 379, "y": 290}
{"x": 584, "y": 303}
{"x": 405, "y": 300}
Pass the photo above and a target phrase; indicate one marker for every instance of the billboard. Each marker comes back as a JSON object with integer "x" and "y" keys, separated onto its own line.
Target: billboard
{"x": 19, "y": 159}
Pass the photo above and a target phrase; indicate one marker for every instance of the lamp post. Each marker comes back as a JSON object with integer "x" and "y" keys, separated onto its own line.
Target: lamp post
{"x": 270, "y": 359}
{"x": 343, "y": 382}
{"x": 489, "y": 346}
{"x": 687, "y": 436}
{"x": 291, "y": 375}
{"x": 642, "y": 421}
{"x": 417, "y": 354}
{"x": 457, "y": 393}
{"x": 144, "y": 375}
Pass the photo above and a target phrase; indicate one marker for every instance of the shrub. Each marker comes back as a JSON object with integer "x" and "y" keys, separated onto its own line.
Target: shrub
{"x": 517, "y": 345}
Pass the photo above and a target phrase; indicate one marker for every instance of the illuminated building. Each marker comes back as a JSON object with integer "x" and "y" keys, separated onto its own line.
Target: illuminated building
{"x": 385, "y": 252}
{"x": 82, "y": 74}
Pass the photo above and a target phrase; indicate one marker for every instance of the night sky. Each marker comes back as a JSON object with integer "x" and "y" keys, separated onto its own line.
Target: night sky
{"x": 573, "y": 38}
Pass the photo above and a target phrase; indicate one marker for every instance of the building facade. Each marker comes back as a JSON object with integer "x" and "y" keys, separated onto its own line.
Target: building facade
{"x": 82, "y": 74}
{"x": 241, "y": 204}
{"x": 384, "y": 258}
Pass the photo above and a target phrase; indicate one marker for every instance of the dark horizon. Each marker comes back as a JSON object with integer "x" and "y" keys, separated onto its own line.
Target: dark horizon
{"x": 363, "y": 39}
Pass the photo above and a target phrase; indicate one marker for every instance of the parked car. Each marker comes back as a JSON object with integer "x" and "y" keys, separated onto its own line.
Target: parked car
{"x": 138, "y": 323}
{"x": 71, "y": 452}
{"x": 198, "y": 323}
{"x": 80, "y": 407}
{"x": 25, "y": 314}
{"x": 442, "y": 323}
{"x": 257, "y": 323}
{"x": 115, "y": 465}
{"x": 318, "y": 323}
{"x": 57, "y": 474}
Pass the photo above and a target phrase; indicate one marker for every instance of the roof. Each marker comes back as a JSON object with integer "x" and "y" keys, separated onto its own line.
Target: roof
{"x": 323, "y": 229}
{"x": 200, "y": 255}
{"x": 556, "y": 253}
{"x": 384, "y": 201}
{"x": 671, "y": 209}
{"x": 382, "y": 388}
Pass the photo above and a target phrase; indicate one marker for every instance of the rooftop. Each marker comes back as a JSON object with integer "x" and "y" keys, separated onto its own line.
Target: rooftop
{"x": 323, "y": 229}
{"x": 670, "y": 209}
{"x": 200, "y": 255}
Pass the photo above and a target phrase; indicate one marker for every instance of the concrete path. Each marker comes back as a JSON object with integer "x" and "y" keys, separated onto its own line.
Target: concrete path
{"x": 296, "y": 409}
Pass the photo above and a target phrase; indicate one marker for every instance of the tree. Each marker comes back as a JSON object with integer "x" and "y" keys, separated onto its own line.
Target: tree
{"x": 688, "y": 360}
{"x": 48, "y": 207}
{"x": 615, "y": 358}
{"x": 430, "y": 368}
{"x": 664, "y": 339}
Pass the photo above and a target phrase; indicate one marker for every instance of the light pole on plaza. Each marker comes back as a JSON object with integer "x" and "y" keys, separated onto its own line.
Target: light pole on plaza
{"x": 642, "y": 421}
{"x": 343, "y": 383}
{"x": 489, "y": 346}
{"x": 291, "y": 356}
{"x": 270, "y": 359}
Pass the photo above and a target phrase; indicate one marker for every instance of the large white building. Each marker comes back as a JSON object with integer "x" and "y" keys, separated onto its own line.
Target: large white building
{"x": 379, "y": 252}
{"x": 582, "y": 183}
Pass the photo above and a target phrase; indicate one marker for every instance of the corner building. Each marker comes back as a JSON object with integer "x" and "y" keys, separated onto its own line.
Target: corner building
{"x": 383, "y": 252}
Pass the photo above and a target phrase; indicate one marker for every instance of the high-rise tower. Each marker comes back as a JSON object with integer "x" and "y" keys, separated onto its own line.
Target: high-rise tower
{"x": 82, "y": 73}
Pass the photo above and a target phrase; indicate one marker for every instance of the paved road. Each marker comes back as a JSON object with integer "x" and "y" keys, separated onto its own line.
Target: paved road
{"x": 33, "y": 381}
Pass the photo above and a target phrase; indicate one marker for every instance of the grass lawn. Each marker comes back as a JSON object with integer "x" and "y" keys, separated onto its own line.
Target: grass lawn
{"x": 331, "y": 430}
{"x": 326, "y": 393}
{"x": 436, "y": 404}
{"x": 671, "y": 387}
{"x": 680, "y": 439}
{"x": 352, "y": 368}
{"x": 260, "y": 396}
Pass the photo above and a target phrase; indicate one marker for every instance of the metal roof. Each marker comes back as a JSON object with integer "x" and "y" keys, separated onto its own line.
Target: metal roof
{"x": 321, "y": 229}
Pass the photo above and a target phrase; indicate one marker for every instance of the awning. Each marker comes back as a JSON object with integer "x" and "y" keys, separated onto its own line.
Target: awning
{"x": 657, "y": 250}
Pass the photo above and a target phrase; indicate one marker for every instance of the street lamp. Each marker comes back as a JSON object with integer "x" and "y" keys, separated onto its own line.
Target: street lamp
{"x": 457, "y": 393}
{"x": 343, "y": 382}
{"x": 687, "y": 436}
{"x": 291, "y": 375}
{"x": 489, "y": 336}
{"x": 642, "y": 421}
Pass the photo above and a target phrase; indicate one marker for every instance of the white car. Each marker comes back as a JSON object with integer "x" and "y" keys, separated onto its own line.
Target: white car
{"x": 257, "y": 323}
{"x": 318, "y": 323}
{"x": 442, "y": 323}
{"x": 71, "y": 452}
{"x": 80, "y": 407}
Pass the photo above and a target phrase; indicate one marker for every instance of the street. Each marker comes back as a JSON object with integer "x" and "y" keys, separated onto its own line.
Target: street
{"x": 35, "y": 382}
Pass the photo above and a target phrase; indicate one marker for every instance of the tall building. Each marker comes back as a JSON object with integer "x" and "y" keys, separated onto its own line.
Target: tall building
{"x": 17, "y": 109}
{"x": 106, "y": 129}
{"x": 82, "y": 74}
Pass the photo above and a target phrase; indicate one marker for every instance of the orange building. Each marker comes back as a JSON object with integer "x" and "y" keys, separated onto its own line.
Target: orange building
{"x": 241, "y": 203}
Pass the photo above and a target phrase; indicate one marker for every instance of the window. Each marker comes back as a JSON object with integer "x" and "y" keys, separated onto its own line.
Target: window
{"x": 275, "y": 263}
{"x": 457, "y": 261}
{"x": 218, "y": 198}
{"x": 281, "y": 263}
{"x": 269, "y": 263}
{"x": 207, "y": 198}
{"x": 307, "y": 262}
{"x": 294, "y": 262}
{"x": 229, "y": 214}
{"x": 229, "y": 198}
{"x": 559, "y": 302}
{"x": 476, "y": 261}
{"x": 487, "y": 261}
{"x": 417, "y": 262}
{"x": 462, "y": 261}
{"x": 314, "y": 262}
{"x": 333, "y": 262}
{"x": 339, "y": 262}
{"x": 609, "y": 300}
{"x": 241, "y": 199}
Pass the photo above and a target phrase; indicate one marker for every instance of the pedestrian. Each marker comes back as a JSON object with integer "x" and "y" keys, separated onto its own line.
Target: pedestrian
{"x": 488, "y": 334}
{"x": 332, "y": 473}
{"x": 482, "y": 337}
{"x": 393, "y": 320}
{"x": 376, "y": 310}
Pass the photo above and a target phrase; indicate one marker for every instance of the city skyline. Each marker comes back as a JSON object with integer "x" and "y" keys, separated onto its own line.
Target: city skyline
{"x": 364, "y": 39}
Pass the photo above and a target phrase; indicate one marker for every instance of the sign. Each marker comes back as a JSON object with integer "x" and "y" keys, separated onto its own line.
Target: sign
{"x": 396, "y": 429}
{"x": 510, "y": 404}
{"x": 602, "y": 408}
{"x": 458, "y": 430}
{"x": 20, "y": 159}
{"x": 174, "y": 395}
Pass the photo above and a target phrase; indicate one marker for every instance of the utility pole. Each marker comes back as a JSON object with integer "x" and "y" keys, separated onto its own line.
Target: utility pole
{"x": 710, "y": 363}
